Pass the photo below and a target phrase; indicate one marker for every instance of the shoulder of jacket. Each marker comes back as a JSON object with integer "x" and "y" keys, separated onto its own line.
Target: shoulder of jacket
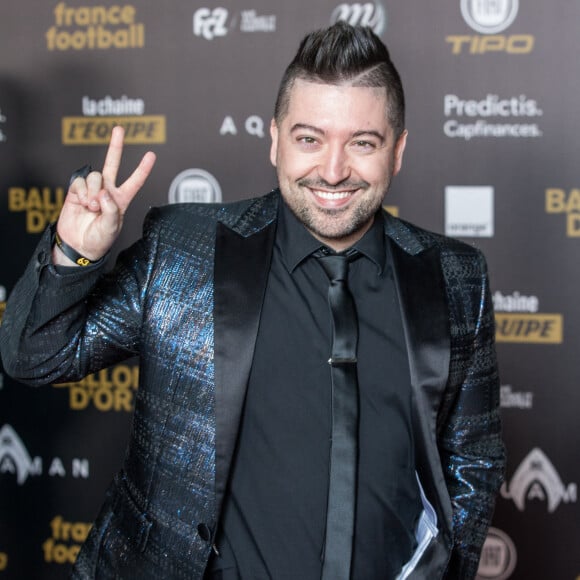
{"x": 240, "y": 215}
{"x": 415, "y": 239}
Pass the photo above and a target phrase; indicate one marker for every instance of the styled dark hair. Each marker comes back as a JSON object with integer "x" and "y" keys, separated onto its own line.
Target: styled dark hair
{"x": 349, "y": 55}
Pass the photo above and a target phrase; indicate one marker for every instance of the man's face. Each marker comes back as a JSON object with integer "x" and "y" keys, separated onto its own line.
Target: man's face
{"x": 335, "y": 155}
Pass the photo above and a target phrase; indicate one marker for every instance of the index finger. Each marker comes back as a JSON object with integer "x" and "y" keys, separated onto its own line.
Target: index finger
{"x": 113, "y": 157}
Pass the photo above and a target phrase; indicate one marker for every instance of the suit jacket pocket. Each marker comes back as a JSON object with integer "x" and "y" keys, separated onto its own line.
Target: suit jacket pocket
{"x": 131, "y": 519}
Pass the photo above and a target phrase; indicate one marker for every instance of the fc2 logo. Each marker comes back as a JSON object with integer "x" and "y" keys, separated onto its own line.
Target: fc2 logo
{"x": 210, "y": 23}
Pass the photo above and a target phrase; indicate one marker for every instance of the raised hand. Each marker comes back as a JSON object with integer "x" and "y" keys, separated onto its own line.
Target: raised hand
{"x": 93, "y": 211}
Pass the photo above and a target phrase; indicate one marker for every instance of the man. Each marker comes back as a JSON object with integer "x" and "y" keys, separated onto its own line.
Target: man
{"x": 229, "y": 468}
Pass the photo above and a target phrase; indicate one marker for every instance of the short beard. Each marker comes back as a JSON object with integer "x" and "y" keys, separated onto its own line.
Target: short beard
{"x": 361, "y": 216}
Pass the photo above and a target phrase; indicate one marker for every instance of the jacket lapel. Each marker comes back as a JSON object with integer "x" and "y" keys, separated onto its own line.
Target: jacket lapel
{"x": 240, "y": 276}
{"x": 421, "y": 288}
{"x": 422, "y": 293}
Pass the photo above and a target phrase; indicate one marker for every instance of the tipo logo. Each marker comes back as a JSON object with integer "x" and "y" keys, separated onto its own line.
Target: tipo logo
{"x": 209, "y": 23}
{"x": 498, "y": 556}
{"x": 372, "y": 14}
{"x": 489, "y": 16}
{"x": 195, "y": 185}
{"x": 536, "y": 478}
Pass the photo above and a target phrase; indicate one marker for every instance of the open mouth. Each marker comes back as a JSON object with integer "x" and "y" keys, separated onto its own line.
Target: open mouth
{"x": 332, "y": 199}
{"x": 332, "y": 195}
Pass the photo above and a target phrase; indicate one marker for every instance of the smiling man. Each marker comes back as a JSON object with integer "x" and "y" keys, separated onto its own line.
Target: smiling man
{"x": 335, "y": 153}
{"x": 318, "y": 391}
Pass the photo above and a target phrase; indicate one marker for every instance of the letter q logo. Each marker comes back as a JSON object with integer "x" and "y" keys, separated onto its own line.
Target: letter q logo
{"x": 210, "y": 23}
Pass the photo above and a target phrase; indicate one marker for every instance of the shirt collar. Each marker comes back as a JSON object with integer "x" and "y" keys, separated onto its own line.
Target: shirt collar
{"x": 297, "y": 243}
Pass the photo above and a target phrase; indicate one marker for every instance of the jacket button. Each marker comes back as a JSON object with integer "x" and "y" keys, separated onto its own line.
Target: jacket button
{"x": 204, "y": 532}
{"x": 41, "y": 259}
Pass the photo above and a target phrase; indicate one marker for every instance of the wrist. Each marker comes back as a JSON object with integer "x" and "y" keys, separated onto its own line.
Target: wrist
{"x": 71, "y": 254}
{"x": 59, "y": 259}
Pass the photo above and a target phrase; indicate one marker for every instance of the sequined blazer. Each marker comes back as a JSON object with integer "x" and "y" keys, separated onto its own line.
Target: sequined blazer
{"x": 187, "y": 298}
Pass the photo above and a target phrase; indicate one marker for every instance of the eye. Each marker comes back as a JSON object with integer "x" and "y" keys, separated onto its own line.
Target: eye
{"x": 307, "y": 142}
{"x": 364, "y": 145}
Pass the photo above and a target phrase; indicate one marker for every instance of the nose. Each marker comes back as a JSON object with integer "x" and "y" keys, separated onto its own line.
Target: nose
{"x": 334, "y": 165}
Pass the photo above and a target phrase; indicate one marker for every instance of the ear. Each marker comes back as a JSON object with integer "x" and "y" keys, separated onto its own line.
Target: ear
{"x": 398, "y": 152}
{"x": 274, "y": 145}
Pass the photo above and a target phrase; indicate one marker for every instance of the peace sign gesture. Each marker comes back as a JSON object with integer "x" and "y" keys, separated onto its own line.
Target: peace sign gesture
{"x": 93, "y": 211}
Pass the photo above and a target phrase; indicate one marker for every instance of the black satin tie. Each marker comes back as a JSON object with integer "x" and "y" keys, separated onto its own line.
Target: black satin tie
{"x": 340, "y": 515}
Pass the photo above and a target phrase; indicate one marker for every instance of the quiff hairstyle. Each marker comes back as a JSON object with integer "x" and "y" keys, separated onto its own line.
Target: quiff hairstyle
{"x": 345, "y": 55}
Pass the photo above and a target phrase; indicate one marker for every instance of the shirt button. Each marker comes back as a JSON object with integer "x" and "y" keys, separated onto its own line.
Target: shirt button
{"x": 204, "y": 532}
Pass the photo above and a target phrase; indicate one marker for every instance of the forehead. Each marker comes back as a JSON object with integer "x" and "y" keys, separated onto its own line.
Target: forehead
{"x": 320, "y": 103}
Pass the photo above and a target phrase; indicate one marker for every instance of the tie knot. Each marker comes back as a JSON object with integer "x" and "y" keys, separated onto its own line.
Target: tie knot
{"x": 336, "y": 265}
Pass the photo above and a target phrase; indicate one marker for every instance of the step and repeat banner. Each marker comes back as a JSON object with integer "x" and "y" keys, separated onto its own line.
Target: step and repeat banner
{"x": 492, "y": 158}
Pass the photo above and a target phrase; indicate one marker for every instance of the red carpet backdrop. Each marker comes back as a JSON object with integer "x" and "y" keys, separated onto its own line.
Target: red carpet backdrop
{"x": 492, "y": 158}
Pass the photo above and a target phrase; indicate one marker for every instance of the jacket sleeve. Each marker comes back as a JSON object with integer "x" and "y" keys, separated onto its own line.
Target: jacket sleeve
{"x": 61, "y": 324}
{"x": 470, "y": 443}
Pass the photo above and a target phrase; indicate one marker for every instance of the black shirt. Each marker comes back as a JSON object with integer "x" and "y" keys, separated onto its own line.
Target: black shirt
{"x": 274, "y": 515}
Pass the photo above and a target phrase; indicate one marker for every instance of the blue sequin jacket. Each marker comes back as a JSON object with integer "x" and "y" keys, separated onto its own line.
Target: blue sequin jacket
{"x": 186, "y": 298}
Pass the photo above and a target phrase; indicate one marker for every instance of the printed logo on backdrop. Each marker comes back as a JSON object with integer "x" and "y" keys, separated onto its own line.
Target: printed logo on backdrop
{"x": 64, "y": 544}
{"x": 195, "y": 186}
{"x": 512, "y": 399}
{"x": 469, "y": 211}
{"x": 517, "y": 320}
{"x": 561, "y": 201}
{"x": 489, "y": 18}
{"x": 211, "y": 23}
{"x": 536, "y": 479}
{"x": 41, "y": 205}
{"x": 498, "y": 556}
{"x": 99, "y": 116}
{"x": 371, "y": 14}
{"x": 96, "y": 27}
{"x": 492, "y": 117}
{"x": 253, "y": 125}
{"x": 16, "y": 461}
{"x": 111, "y": 389}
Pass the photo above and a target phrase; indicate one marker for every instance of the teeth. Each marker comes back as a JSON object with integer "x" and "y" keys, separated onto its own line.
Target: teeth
{"x": 331, "y": 195}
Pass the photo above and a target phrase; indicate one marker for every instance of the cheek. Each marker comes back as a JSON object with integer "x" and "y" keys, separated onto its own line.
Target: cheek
{"x": 293, "y": 165}
{"x": 372, "y": 171}
{"x": 382, "y": 169}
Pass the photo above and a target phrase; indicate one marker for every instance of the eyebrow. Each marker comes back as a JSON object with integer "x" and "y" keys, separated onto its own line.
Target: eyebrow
{"x": 305, "y": 126}
{"x": 319, "y": 131}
